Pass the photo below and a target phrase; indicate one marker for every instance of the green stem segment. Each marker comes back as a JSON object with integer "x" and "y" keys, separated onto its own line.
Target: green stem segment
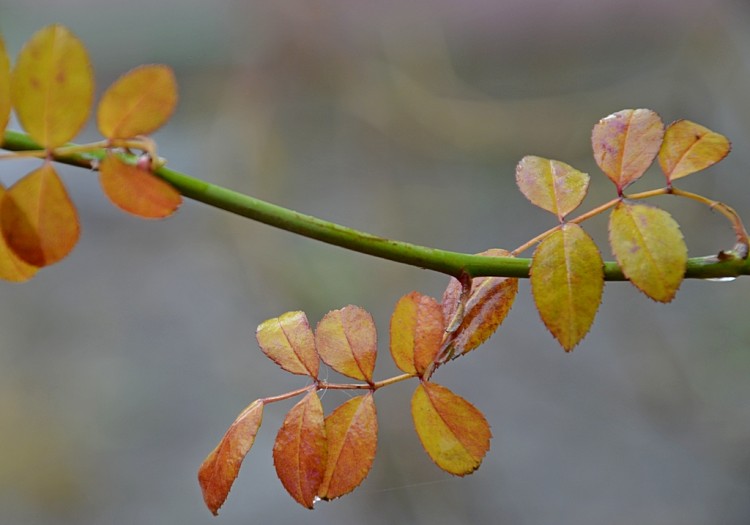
{"x": 450, "y": 263}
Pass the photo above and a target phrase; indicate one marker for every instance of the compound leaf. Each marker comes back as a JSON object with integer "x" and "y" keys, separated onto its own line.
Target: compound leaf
{"x": 352, "y": 434}
{"x": 625, "y": 144}
{"x": 52, "y": 86}
{"x": 689, "y": 147}
{"x": 648, "y": 245}
{"x": 486, "y": 307}
{"x": 138, "y": 103}
{"x": 300, "y": 451}
{"x": 4, "y": 88}
{"x": 417, "y": 329}
{"x": 552, "y": 185}
{"x": 454, "y": 433}
{"x": 136, "y": 190}
{"x": 290, "y": 343}
{"x": 39, "y": 221}
{"x": 567, "y": 281}
{"x": 221, "y": 467}
{"x": 347, "y": 342}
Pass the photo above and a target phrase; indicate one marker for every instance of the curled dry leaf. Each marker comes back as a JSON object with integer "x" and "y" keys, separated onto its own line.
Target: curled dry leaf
{"x": 4, "y": 88}
{"x": 136, "y": 190}
{"x": 300, "y": 451}
{"x": 489, "y": 302}
{"x": 221, "y": 467}
{"x": 689, "y": 147}
{"x": 454, "y": 433}
{"x": 39, "y": 221}
{"x": 346, "y": 340}
{"x": 552, "y": 185}
{"x": 648, "y": 245}
{"x": 417, "y": 329}
{"x": 352, "y": 434}
{"x": 567, "y": 281}
{"x": 625, "y": 144}
{"x": 138, "y": 103}
{"x": 290, "y": 343}
{"x": 52, "y": 86}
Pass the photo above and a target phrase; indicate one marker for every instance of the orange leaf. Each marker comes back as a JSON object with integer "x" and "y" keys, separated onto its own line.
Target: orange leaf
{"x": 417, "y": 329}
{"x": 454, "y": 433}
{"x": 347, "y": 342}
{"x": 552, "y": 185}
{"x": 39, "y": 220}
{"x": 4, "y": 88}
{"x": 13, "y": 268}
{"x": 221, "y": 467}
{"x": 648, "y": 244}
{"x": 300, "y": 450}
{"x": 52, "y": 86}
{"x": 567, "y": 281}
{"x": 136, "y": 190}
{"x": 352, "y": 434}
{"x": 138, "y": 103}
{"x": 289, "y": 342}
{"x": 689, "y": 147}
{"x": 489, "y": 302}
{"x": 625, "y": 144}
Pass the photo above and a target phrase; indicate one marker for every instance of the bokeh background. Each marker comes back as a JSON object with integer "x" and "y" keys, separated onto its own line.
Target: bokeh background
{"x": 121, "y": 367}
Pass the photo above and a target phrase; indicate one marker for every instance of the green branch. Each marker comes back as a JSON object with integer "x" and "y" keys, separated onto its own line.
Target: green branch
{"x": 451, "y": 263}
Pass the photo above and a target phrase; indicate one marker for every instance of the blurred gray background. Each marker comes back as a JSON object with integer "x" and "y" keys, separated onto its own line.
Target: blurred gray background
{"x": 122, "y": 366}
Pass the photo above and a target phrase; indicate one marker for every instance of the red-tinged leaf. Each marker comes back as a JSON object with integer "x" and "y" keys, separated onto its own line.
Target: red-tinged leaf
{"x": 12, "y": 267}
{"x": 300, "y": 451}
{"x": 352, "y": 434}
{"x": 417, "y": 329}
{"x": 138, "y": 103}
{"x": 289, "y": 341}
{"x": 567, "y": 281}
{"x": 689, "y": 147}
{"x": 347, "y": 342}
{"x": 4, "y": 88}
{"x": 454, "y": 433}
{"x": 52, "y": 86}
{"x": 625, "y": 144}
{"x": 39, "y": 221}
{"x": 136, "y": 190}
{"x": 221, "y": 467}
{"x": 648, "y": 245}
{"x": 489, "y": 302}
{"x": 552, "y": 185}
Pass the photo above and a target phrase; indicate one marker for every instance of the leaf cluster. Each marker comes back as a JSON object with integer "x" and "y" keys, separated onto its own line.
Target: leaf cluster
{"x": 51, "y": 88}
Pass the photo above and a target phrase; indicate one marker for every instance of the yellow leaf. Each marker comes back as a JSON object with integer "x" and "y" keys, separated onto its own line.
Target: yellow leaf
{"x": 552, "y": 185}
{"x": 52, "y": 86}
{"x": 221, "y": 467}
{"x": 352, "y": 434}
{"x": 567, "y": 281}
{"x": 39, "y": 220}
{"x": 300, "y": 450}
{"x": 417, "y": 328}
{"x": 625, "y": 144}
{"x": 648, "y": 245}
{"x": 138, "y": 103}
{"x": 487, "y": 306}
{"x": 347, "y": 342}
{"x": 290, "y": 343}
{"x": 689, "y": 147}
{"x": 454, "y": 433}
{"x": 12, "y": 267}
{"x": 136, "y": 190}
{"x": 4, "y": 88}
